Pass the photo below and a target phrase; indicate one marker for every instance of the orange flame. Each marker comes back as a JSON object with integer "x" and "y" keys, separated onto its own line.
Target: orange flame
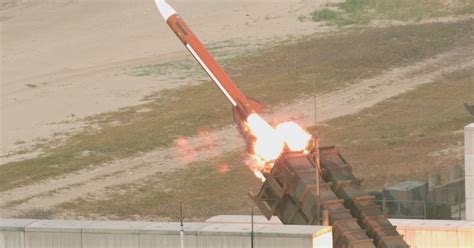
{"x": 270, "y": 142}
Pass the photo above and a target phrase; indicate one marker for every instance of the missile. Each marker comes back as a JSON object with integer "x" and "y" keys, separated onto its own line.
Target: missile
{"x": 242, "y": 106}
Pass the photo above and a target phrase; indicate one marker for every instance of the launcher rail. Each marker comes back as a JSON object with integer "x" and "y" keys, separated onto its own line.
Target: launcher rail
{"x": 289, "y": 192}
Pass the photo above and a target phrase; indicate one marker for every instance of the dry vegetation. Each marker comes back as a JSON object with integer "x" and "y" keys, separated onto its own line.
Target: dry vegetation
{"x": 278, "y": 74}
{"x": 203, "y": 188}
{"x": 402, "y": 138}
{"x": 362, "y": 12}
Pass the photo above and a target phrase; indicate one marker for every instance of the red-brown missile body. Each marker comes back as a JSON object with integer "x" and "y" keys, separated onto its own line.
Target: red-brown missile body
{"x": 242, "y": 106}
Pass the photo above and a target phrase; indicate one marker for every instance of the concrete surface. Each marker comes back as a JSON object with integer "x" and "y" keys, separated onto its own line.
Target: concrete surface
{"x": 417, "y": 233}
{"x": 436, "y": 233}
{"x": 244, "y": 219}
{"x": 16, "y": 233}
{"x": 274, "y": 236}
{"x": 12, "y": 232}
{"x": 469, "y": 169}
{"x": 54, "y": 234}
{"x": 166, "y": 234}
{"x": 117, "y": 234}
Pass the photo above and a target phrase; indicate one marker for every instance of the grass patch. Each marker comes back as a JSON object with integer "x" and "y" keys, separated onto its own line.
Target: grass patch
{"x": 363, "y": 11}
{"x": 385, "y": 144}
{"x": 204, "y": 191}
{"x": 393, "y": 141}
{"x": 164, "y": 69}
{"x": 325, "y": 15}
{"x": 274, "y": 76}
{"x": 187, "y": 68}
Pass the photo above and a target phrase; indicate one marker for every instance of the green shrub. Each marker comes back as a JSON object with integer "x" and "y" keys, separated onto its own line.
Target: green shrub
{"x": 324, "y": 15}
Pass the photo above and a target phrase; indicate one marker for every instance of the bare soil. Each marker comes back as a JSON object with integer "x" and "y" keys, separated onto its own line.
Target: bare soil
{"x": 47, "y": 194}
{"x": 64, "y": 60}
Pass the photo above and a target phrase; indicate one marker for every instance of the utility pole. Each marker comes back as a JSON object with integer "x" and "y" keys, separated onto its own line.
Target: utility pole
{"x": 251, "y": 229}
{"x": 181, "y": 232}
{"x": 318, "y": 176}
{"x": 316, "y": 155}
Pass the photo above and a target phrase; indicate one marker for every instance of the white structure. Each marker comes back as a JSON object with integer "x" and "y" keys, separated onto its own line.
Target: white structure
{"x": 469, "y": 169}
{"x": 15, "y": 233}
{"x": 223, "y": 231}
{"x": 436, "y": 233}
{"x": 417, "y": 233}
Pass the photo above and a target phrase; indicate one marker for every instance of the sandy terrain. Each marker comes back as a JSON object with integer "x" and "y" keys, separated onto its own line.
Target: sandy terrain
{"x": 65, "y": 60}
{"x": 350, "y": 100}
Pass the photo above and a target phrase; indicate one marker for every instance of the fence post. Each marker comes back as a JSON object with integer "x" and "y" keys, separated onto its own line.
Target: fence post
{"x": 425, "y": 210}
{"x": 383, "y": 206}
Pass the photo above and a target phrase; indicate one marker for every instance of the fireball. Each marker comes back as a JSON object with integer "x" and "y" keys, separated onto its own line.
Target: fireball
{"x": 270, "y": 142}
{"x": 296, "y": 138}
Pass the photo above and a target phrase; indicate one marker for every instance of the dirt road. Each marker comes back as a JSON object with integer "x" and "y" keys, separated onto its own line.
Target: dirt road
{"x": 350, "y": 100}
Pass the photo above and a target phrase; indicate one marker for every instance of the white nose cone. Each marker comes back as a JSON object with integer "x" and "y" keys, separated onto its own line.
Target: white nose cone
{"x": 165, "y": 9}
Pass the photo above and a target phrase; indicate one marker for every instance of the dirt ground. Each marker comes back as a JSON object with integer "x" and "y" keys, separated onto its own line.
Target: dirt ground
{"x": 64, "y": 60}
{"x": 347, "y": 101}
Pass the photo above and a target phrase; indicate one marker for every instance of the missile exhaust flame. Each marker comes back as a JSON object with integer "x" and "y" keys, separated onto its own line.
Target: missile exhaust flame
{"x": 296, "y": 138}
{"x": 270, "y": 142}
